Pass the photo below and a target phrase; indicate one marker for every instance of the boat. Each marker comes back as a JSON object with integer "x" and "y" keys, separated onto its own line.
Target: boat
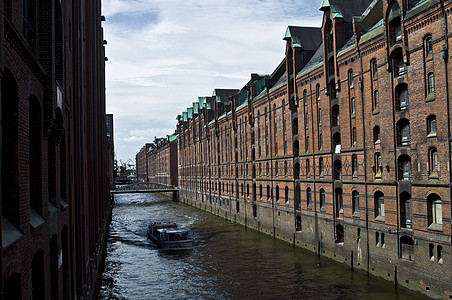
{"x": 166, "y": 235}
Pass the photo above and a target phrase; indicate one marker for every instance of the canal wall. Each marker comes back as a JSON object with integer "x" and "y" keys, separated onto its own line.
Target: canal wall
{"x": 358, "y": 250}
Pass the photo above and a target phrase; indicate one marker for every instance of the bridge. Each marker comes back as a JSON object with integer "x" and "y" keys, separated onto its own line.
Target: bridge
{"x": 145, "y": 187}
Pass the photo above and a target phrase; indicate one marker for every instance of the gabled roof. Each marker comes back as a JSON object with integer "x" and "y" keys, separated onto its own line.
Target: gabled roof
{"x": 345, "y": 9}
{"x": 307, "y": 38}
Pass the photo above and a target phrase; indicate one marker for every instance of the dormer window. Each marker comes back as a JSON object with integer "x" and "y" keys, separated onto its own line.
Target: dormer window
{"x": 394, "y": 25}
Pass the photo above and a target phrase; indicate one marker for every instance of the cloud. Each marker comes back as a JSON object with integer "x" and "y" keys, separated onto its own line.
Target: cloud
{"x": 163, "y": 54}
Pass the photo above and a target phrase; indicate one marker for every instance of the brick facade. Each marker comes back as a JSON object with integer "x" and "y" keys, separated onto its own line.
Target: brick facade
{"x": 55, "y": 164}
{"x": 343, "y": 150}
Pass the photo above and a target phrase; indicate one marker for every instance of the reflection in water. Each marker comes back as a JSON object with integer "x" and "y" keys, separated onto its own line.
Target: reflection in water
{"x": 228, "y": 261}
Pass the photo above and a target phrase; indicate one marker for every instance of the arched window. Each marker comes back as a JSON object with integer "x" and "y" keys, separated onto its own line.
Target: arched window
{"x": 376, "y": 100}
{"x": 377, "y": 135}
{"x": 296, "y": 171}
{"x": 354, "y": 137}
{"x": 352, "y": 106}
{"x": 260, "y": 191}
{"x": 277, "y": 193}
{"x": 405, "y": 210}
{"x": 320, "y": 141}
{"x": 308, "y": 168}
{"x": 339, "y": 202}
{"x": 379, "y": 203}
{"x": 433, "y": 162}
{"x": 339, "y": 233}
{"x": 268, "y": 192}
{"x": 401, "y": 94}
{"x": 350, "y": 79}
{"x": 394, "y": 24}
{"x": 297, "y": 203}
{"x": 430, "y": 83}
{"x": 403, "y": 132}
{"x": 355, "y": 202}
{"x": 378, "y": 166}
{"x": 295, "y": 126}
{"x": 354, "y": 165}
{"x": 286, "y": 195}
{"x": 374, "y": 69}
{"x": 322, "y": 198}
{"x": 431, "y": 125}
{"x": 320, "y": 117}
{"x": 404, "y": 167}
{"x": 428, "y": 47}
{"x": 276, "y": 168}
{"x": 308, "y": 197}
{"x": 399, "y": 64}
{"x": 305, "y": 97}
{"x": 434, "y": 212}
{"x": 317, "y": 91}
{"x": 321, "y": 167}
{"x": 335, "y": 115}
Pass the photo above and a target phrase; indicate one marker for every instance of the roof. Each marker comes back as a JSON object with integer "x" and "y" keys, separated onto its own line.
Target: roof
{"x": 345, "y": 9}
{"x": 316, "y": 59}
{"x": 308, "y": 38}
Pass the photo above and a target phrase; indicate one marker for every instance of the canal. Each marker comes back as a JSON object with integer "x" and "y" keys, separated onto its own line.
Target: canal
{"x": 228, "y": 261}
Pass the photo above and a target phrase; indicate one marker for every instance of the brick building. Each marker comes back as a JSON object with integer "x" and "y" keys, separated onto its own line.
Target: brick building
{"x": 141, "y": 163}
{"x": 161, "y": 161}
{"x": 54, "y": 157}
{"x": 344, "y": 149}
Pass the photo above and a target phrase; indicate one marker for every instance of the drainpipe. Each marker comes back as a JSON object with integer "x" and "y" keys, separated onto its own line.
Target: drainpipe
{"x": 314, "y": 189}
{"x": 444, "y": 55}
{"x": 361, "y": 87}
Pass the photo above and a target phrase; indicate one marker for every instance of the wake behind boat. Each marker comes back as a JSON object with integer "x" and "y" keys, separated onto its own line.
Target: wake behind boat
{"x": 167, "y": 235}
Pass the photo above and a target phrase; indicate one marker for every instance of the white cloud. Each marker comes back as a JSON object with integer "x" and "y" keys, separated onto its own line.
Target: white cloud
{"x": 163, "y": 54}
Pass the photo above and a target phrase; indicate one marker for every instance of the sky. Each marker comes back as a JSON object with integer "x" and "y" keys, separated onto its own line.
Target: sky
{"x": 164, "y": 54}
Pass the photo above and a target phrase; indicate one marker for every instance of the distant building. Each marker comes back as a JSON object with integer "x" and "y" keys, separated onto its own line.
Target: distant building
{"x": 54, "y": 154}
{"x": 110, "y": 148}
{"x": 141, "y": 165}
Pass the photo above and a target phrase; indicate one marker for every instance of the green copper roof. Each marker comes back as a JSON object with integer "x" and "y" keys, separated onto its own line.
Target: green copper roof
{"x": 295, "y": 40}
{"x": 184, "y": 116}
{"x": 325, "y": 4}
{"x": 218, "y": 98}
{"x": 190, "y": 112}
{"x": 195, "y": 107}
{"x": 172, "y": 137}
{"x": 202, "y": 102}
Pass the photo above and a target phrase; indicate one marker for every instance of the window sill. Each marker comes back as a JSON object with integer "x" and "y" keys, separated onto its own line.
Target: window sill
{"x": 433, "y": 176}
{"x": 435, "y": 227}
{"x": 430, "y": 97}
{"x": 356, "y": 215}
{"x": 322, "y": 209}
{"x": 380, "y": 218}
{"x": 431, "y": 134}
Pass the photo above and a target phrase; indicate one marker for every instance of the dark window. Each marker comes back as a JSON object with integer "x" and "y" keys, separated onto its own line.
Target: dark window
{"x": 355, "y": 202}
{"x": 322, "y": 198}
{"x": 376, "y": 100}
{"x": 379, "y": 205}
{"x": 431, "y": 125}
{"x": 403, "y": 130}
{"x": 428, "y": 46}
{"x": 405, "y": 211}
{"x": 404, "y": 167}
{"x": 308, "y": 197}
{"x": 353, "y": 107}
{"x": 354, "y": 165}
{"x": 430, "y": 83}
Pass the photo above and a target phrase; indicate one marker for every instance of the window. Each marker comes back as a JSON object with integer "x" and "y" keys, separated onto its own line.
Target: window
{"x": 355, "y": 165}
{"x": 320, "y": 141}
{"x": 374, "y": 69}
{"x": 336, "y": 116}
{"x": 405, "y": 210}
{"x": 430, "y": 83}
{"x": 404, "y": 167}
{"x": 268, "y": 192}
{"x": 355, "y": 202}
{"x": 353, "y": 106}
{"x": 308, "y": 197}
{"x": 322, "y": 198}
{"x": 286, "y": 194}
{"x": 378, "y": 166}
{"x": 306, "y": 121}
{"x": 407, "y": 248}
{"x": 401, "y": 97}
{"x": 285, "y": 168}
{"x": 377, "y": 135}
{"x": 337, "y": 170}
{"x": 321, "y": 167}
{"x": 431, "y": 126}
{"x": 320, "y": 117}
{"x": 376, "y": 100}
{"x": 377, "y": 239}
{"x": 305, "y": 97}
{"x": 308, "y": 168}
{"x": 428, "y": 47}
{"x": 433, "y": 162}
{"x": 277, "y": 193}
{"x": 260, "y": 191}
{"x": 399, "y": 64}
{"x": 354, "y": 137}
{"x": 317, "y": 91}
{"x": 434, "y": 212}
{"x": 431, "y": 252}
{"x": 379, "y": 206}
{"x": 339, "y": 202}
{"x": 276, "y": 168}
{"x": 403, "y": 130}
{"x": 439, "y": 254}
{"x": 350, "y": 79}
